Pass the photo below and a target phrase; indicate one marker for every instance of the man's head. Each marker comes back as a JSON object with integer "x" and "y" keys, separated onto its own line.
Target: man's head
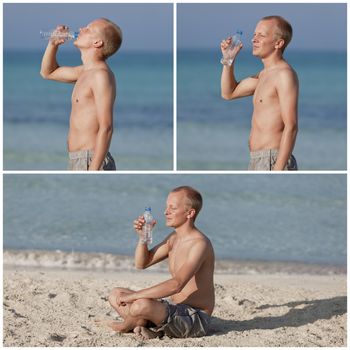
{"x": 271, "y": 33}
{"x": 183, "y": 203}
{"x": 104, "y": 36}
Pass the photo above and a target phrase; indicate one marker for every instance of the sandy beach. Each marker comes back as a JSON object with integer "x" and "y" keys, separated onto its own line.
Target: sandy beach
{"x": 45, "y": 306}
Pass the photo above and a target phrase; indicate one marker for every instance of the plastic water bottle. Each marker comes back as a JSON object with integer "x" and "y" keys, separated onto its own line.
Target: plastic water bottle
{"x": 236, "y": 40}
{"x": 148, "y": 226}
{"x": 53, "y": 34}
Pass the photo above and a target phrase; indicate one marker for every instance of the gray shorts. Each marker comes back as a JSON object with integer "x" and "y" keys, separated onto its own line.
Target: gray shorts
{"x": 184, "y": 321}
{"x": 266, "y": 160}
{"x": 81, "y": 160}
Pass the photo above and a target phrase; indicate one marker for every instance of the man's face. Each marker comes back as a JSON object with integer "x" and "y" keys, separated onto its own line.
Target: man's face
{"x": 264, "y": 38}
{"x": 177, "y": 209}
{"x": 89, "y": 34}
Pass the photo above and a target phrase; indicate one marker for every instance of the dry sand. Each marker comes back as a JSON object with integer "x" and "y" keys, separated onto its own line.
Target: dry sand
{"x": 56, "y": 307}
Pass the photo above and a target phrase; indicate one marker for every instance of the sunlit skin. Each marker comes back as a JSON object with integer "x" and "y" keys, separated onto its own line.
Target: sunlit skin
{"x": 93, "y": 96}
{"x": 274, "y": 90}
{"x": 191, "y": 266}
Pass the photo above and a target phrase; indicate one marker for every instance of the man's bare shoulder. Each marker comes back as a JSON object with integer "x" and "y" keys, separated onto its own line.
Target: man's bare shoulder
{"x": 199, "y": 238}
{"x": 101, "y": 75}
{"x": 286, "y": 71}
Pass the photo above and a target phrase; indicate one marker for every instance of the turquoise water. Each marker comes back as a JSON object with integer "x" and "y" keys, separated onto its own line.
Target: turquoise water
{"x": 36, "y": 112}
{"x": 295, "y": 218}
{"x": 213, "y": 133}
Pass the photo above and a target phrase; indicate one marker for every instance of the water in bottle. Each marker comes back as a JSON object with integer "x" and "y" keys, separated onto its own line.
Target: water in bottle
{"x": 53, "y": 34}
{"x": 148, "y": 226}
{"x": 236, "y": 40}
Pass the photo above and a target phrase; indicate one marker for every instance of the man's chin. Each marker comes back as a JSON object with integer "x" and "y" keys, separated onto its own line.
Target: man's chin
{"x": 169, "y": 224}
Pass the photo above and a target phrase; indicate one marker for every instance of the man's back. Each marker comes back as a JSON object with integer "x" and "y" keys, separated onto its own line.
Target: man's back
{"x": 199, "y": 290}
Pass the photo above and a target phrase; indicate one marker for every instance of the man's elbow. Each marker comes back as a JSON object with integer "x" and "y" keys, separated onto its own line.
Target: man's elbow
{"x": 292, "y": 128}
{"x": 177, "y": 286}
{"x": 226, "y": 96}
{"x": 139, "y": 266}
{"x": 44, "y": 74}
{"x": 106, "y": 129}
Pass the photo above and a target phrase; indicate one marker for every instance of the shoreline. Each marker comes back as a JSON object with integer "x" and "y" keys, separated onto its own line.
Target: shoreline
{"x": 57, "y": 307}
{"x": 112, "y": 262}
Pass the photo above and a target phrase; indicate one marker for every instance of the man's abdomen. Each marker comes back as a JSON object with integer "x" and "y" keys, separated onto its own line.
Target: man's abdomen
{"x": 82, "y": 134}
{"x": 266, "y": 132}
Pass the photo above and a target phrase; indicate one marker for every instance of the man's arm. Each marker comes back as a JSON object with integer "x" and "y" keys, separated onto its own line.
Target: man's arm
{"x": 230, "y": 88}
{"x": 144, "y": 257}
{"x": 103, "y": 88}
{"x": 287, "y": 90}
{"x": 50, "y": 68}
{"x": 174, "y": 285}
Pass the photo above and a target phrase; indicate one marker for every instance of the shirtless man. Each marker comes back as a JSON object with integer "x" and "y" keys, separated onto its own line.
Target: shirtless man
{"x": 190, "y": 288}
{"x": 275, "y": 96}
{"x": 91, "y": 119}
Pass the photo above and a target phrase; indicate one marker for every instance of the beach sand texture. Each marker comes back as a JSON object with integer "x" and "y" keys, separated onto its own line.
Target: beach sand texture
{"x": 57, "y": 307}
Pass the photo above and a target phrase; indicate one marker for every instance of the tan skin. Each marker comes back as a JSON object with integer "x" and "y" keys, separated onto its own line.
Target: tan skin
{"x": 275, "y": 94}
{"x": 91, "y": 119}
{"x": 191, "y": 265}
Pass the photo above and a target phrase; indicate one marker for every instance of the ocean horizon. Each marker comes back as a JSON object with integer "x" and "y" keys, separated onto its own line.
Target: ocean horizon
{"x": 36, "y": 111}
{"x": 291, "y": 219}
{"x": 213, "y": 133}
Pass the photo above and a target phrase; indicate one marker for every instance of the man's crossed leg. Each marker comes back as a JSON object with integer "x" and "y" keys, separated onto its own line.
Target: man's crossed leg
{"x": 135, "y": 315}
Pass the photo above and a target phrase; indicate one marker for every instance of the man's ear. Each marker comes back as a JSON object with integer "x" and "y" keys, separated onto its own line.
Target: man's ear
{"x": 98, "y": 44}
{"x": 191, "y": 213}
{"x": 279, "y": 44}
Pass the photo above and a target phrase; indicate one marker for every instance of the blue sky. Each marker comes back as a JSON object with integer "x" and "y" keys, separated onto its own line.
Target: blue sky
{"x": 145, "y": 26}
{"x": 150, "y": 26}
{"x": 315, "y": 26}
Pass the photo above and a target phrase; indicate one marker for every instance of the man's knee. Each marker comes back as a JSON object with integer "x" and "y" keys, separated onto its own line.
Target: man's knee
{"x": 140, "y": 307}
{"x": 113, "y": 295}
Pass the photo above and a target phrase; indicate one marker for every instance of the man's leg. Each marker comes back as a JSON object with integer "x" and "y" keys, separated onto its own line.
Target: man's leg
{"x": 148, "y": 309}
{"x": 129, "y": 322}
{"x": 135, "y": 315}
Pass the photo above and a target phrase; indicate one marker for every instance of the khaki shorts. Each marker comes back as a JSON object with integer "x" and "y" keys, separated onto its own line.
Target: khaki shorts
{"x": 266, "y": 160}
{"x": 184, "y": 321}
{"x": 81, "y": 160}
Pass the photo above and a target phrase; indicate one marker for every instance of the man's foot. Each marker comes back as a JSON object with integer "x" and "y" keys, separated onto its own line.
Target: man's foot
{"x": 116, "y": 326}
{"x": 146, "y": 333}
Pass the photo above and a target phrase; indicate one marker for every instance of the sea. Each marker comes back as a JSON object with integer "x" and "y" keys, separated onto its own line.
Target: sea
{"x": 36, "y": 111}
{"x": 213, "y": 133}
{"x": 263, "y": 219}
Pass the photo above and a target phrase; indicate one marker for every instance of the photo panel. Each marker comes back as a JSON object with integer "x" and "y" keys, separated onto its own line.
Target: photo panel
{"x": 214, "y": 128}
{"x": 279, "y": 244}
{"x": 40, "y": 114}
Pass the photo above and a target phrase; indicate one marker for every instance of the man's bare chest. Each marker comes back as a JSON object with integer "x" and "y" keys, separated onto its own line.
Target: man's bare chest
{"x": 265, "y": 91}
{"x": 82, "y": 90}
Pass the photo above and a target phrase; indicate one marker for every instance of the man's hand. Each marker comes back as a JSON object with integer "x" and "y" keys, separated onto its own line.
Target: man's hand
{"x": 124, "y": 298}
{"x": 139, "y": 223}
{"x": 229, "y": 52}
{"x": 60, "y": 30}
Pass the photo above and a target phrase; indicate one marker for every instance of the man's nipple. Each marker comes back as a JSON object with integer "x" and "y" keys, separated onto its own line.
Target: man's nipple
{"x": 77, "y": 100}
